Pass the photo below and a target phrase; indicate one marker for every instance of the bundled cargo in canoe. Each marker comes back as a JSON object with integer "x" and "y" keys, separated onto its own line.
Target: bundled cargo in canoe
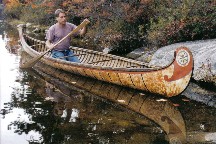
{"x": 169, "y": 81}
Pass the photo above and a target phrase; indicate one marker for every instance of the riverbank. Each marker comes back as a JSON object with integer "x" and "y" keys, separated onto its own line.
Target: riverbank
{"x": 34, "y": 27}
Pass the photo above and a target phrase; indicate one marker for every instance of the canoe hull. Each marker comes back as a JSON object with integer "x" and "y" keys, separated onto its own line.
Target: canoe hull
{"x": 154, "y": 81}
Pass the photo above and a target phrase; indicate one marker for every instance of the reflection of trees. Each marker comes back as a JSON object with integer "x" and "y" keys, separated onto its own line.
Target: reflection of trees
{"x": 1, "y": 28}
{"x": 11, "y": 38}
{"x": 38, "y": 110}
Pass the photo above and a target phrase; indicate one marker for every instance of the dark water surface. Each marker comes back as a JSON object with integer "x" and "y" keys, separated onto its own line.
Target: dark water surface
{"x": 45, "y": 105}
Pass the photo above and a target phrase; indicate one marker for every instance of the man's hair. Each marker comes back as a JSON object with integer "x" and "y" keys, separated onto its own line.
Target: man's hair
{"x": 58, "y": 11}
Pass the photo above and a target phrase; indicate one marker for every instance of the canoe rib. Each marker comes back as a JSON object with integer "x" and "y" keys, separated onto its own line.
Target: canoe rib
{"x": 169, "y": 81}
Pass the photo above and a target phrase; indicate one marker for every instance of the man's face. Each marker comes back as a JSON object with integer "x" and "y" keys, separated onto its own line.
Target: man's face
{"x": 61, "y": 18}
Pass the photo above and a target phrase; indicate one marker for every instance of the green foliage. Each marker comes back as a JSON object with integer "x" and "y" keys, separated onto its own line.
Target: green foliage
{"x": 127, "y": 25}
{"x": 37, "y": 15}
{"x": 185, "y": 21}
{"x": 13, "y": 12}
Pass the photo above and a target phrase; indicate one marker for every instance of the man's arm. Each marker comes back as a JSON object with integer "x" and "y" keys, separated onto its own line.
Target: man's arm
{"x": 83, "y": 31}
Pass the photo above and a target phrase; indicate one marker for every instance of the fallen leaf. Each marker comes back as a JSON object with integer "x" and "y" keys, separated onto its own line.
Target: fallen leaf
{"x": 186, "y": 100}
{"x": 163, "y": 100}
{"x": 176, "y": 105}
{"x": 121, "y": 101}
{"x": 49, "y": 98}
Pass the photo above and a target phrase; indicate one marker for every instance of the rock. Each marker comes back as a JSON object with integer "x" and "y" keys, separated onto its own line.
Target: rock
{"x": 21, "y": 25}
{"x": 107, "y": 50}
{"x": 36, "y": 30}
{"x": 136, "y": 53}
{"x": 143, "y": 54}
{"x": 28, "y": 24}
{"x": 200, "y": 94}
{"x": 204, "y": 54}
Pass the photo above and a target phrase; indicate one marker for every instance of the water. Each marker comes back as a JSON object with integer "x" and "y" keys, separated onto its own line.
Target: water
{"x": 37, "y": 107}
{"x": 9, "y": 69}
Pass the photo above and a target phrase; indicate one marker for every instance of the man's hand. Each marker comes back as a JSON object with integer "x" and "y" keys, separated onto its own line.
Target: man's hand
{"x": 86, "y": 20}
{"x": 49, "y": 45}
{"x": 83, "y": 30}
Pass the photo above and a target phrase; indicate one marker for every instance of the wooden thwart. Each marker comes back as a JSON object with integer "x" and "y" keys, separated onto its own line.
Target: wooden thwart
{"x": 101, "y": 61}
{"x": 36, "y": 45}
{"x": 71, "y": 56}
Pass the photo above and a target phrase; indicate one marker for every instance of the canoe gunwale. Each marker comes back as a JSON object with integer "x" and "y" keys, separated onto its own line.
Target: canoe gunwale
{"x": 34, "y": 53}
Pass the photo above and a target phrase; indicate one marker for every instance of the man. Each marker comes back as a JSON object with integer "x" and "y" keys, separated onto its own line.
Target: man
{"x": 58, "y": 31}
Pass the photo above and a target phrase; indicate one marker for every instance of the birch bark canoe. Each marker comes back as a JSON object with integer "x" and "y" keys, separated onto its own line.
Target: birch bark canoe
{"x": 170, "y": 80}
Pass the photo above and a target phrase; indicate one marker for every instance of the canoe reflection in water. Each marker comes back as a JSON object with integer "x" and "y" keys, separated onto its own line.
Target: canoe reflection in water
{"x": 58, "y": 97}
{"x": 64, "y": 104}
{"x": 160, "y": 111}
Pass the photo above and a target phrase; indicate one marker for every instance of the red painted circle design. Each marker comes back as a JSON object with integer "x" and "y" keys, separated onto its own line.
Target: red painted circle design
{"x": 183, "y": 58}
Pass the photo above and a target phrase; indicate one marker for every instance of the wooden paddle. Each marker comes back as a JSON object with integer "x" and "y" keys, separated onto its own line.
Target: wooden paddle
{"x": 37, "y": 58}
